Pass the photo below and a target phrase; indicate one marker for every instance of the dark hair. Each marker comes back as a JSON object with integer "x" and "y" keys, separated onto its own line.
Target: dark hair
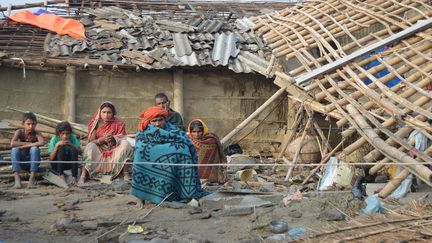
{"x": 196, "y": 124}
{"x": 161, "y": 96}
{"x": 63, "y": 126}
{"x": 109, "y": 105}
{"x": 233, "y": 149}
{"x": 29, "y": 116}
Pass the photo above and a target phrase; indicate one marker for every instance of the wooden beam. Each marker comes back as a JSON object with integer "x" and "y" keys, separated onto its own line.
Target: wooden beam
{"x": 70, "y": 93}
{"x": 178, "y": 98}
{"x": 418, "y": 27}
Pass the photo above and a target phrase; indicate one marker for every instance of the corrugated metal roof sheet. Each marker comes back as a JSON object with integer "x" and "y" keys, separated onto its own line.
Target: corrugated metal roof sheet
{"x": 200, "y": 37}
{"x": 224, "y": 47}
{"x": 164, "y": 41}
{"x": 237, "y": 66}
{"x": 256, "y": 63}
{"x": 182, "y": 44}
{"x": 107, "y": 12}
{"x": 210, "y": 26}
{"x": 244, "y": 24}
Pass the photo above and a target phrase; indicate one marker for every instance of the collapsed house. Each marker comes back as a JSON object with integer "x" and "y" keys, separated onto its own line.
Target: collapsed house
{"x": 363, "y": 65}
{"x": 360, "y": 65}
{"x": 206, "y": 61}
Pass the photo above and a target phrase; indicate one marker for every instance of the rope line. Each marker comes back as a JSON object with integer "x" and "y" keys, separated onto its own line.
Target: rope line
{"x": 226, "y": 165}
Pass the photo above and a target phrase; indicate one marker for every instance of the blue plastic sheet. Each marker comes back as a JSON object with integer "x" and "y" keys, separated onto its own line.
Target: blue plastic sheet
{"x": 373, "y": 205}
{"x": 42, "y": 11}
{"x": 295, "y": 232}
{"x": 383, "y": 72}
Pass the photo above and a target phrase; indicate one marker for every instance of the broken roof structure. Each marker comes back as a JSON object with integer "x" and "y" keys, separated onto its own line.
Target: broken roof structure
{"x": 382, "y": 94}
{"x": 137, "y": 35}
{"x": 364, "y": 63}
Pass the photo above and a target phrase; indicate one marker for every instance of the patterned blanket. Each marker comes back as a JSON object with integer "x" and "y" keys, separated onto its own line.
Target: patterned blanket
{"x": 154, "y": 182}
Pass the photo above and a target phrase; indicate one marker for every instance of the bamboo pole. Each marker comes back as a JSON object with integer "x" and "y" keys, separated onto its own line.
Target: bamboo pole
{"x": 282, "y": 51}
{"x": 422, "y": 172}
{"x": 390, "y": 76}
{"x": 319, "y": 96}
{"x": 390, "y": 121}
{"x": 402, "y": 132}
{"x": 269, "y": 35}
{"x": 276, "y": 95}
{"x": 293, "y": 129}
{"x": 78, "y": 127}
{"x": 393, "y": 183}
{"x": 293, "y": 162}
{"x": 351, "y": 26}
{"x": 380, "y": 164}
{"x": 372, "y": 118}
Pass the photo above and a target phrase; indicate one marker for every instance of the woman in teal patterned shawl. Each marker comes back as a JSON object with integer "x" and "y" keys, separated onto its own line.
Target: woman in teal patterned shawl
{"x": 160, "y": 142}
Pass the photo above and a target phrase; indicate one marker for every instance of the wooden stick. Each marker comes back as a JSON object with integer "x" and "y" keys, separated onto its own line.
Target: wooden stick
{"x": 339, "y": 230}
{"x": 288, "y": 175}
{"x": 422, "y": 172}
{"x": 76, "y": 126}
{"x": 293, "y": 130}
{"x": 393, "y": 183}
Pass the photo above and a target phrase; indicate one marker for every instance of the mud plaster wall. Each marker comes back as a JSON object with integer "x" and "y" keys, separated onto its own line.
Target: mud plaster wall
{"x": 220, "y": 97}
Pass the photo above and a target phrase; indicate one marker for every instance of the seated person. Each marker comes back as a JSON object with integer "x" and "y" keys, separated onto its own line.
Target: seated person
{"x": 107, "y": 143}
{"x": 174, "y": 117}
{"x": 160, "y": 142}
{"x": 64, "y": 146}
{"x": 25, "y": 147}
{"x": 209, "y": 151}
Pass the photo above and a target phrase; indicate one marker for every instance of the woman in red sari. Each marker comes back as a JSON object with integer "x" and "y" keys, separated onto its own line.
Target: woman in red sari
{"x": 209, "y": 151}
{"x": 107, "y": 143}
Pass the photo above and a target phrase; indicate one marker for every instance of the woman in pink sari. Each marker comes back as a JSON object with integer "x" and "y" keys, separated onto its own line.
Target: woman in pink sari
{"x": 107, "y": 143}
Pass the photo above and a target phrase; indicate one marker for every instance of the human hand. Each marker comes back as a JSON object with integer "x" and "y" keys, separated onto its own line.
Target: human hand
{"x": 60, "y": 143}
{"x": 108, "y": 138}
{"x": 413, "y": 152}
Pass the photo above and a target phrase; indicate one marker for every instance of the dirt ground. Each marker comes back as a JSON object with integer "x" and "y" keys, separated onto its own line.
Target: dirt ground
{"x": 102, "y": 213}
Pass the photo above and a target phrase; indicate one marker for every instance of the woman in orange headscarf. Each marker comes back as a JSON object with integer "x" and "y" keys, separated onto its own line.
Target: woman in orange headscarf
{"x": 107, "y": 143}
{"x": 209, "y": 151}
{"x": 159, "y": 144}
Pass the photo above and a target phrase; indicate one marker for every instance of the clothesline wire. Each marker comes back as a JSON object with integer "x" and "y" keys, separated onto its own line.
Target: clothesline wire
{"x": 225, "y": 165}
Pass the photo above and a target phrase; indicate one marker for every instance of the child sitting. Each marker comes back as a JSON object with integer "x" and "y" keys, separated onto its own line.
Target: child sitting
{"x": 25, "y": 147}
{"x": 65, "y": 146}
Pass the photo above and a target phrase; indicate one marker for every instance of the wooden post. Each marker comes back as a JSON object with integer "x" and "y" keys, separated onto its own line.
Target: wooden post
{"x": 70, "y": 93}
{"x": 178, "y": 91}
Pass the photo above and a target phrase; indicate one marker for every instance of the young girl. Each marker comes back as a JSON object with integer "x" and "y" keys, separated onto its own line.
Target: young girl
{"x": 65, "y": 146}
{"x": 209, "y": 150}
{"x": 25, "y": 147}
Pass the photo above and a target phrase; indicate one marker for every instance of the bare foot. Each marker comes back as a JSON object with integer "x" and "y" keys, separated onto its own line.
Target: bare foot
{"x": 126, "y": 177}
{"x": 17, "y": 185}
{"x": 31, "y": 184}
{"x": 82, "y": 180}
{"x": 73, "y": 181}
{"x": 139, "y": 204}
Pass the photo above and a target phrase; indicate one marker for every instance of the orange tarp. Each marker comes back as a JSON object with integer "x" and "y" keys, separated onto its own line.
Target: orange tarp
{"x": 51, "y": 22}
